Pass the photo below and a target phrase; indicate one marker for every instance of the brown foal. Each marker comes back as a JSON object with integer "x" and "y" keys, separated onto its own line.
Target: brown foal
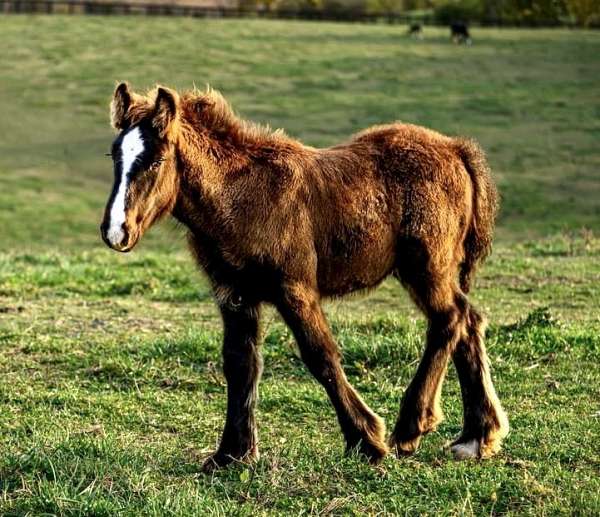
{"x": 271, "y": 220}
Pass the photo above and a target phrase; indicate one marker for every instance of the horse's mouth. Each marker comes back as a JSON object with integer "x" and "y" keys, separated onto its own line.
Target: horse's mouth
{"x": 124, "y": 246}
{"x": 123, "y": 250}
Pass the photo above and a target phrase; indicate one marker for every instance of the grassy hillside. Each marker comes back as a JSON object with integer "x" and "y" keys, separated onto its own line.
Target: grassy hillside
{"x": 111, "y": 390}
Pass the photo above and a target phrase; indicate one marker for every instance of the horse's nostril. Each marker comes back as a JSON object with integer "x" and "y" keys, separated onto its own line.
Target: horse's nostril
{"x": 125, "y": 238}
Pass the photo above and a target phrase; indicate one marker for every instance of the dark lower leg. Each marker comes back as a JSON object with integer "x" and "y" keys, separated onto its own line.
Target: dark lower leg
{"x": 362, "y": 429}
{"x": 242, "y": 365}
{"x": 485, "y": 423}
{"x": 420, "y": 409}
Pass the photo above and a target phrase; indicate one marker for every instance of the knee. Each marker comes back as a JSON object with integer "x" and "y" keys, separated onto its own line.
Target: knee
{"x": 472, "y": 322}
{"x": 322, "y": 362}
{"x": 445, "y": 325}
{"x": 241, "y": 361}
{"x": 475, "y": 325}
{"x": 476, "y": 320}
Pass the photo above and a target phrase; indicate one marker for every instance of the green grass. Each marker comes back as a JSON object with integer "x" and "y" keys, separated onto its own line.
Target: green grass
{"x": 111, "y": 390}
{"x": 112, "y": 394}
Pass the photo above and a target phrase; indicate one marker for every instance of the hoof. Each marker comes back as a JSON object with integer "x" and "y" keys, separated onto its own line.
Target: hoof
{"x": 404, "y": 448}
{"x": 465, "y": 450}
{"x": 220, "y": 460}
{"x": 373, "y": 452}
{"x": 372, "y": 442}
{"x": 212, "y": 463}
{"x": 407, "y": 436}
{"x": 471, "y": 445}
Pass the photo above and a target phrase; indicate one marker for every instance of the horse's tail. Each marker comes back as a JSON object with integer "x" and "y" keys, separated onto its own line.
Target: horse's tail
{"x": 478, "y": 240}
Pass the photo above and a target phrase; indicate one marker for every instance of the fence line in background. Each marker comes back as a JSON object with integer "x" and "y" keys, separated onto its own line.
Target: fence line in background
{"x": 125, "y": 8}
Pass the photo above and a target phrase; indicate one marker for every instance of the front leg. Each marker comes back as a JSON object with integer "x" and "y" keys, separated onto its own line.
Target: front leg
{"x": 363, "y": 429}
{"x": 242, "y": 365}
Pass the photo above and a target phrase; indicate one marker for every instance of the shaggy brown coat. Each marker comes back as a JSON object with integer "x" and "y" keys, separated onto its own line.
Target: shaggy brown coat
{"x": 273, "y": 220}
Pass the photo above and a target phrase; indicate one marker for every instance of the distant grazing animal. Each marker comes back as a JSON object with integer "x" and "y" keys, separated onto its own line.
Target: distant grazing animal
{"x": 271, "y": 220}
{"x": 416, "y": 31}
{"x": 459, "y": 32}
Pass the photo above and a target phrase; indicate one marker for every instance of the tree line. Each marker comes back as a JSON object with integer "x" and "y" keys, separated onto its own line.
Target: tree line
{"x": 585, "y": 13}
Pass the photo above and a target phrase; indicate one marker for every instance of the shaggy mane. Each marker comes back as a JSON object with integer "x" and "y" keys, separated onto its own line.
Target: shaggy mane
{"x": 213, "y": 112}
{"x": 209, "y": 111}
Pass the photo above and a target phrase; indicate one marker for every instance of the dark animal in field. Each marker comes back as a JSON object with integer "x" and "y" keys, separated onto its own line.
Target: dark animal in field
{"x": 459, "y": 33}
{"x": 415, "y": 31}
{"x": 271, "y": 220}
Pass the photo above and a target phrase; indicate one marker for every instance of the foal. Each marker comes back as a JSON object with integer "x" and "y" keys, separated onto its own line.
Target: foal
{"x": 273, "y": 221}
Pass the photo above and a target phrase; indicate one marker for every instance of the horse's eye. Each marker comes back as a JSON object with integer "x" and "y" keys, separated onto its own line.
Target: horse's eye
{"x": 156, "y": 164}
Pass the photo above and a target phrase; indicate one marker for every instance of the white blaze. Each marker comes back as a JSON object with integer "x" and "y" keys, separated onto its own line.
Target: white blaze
{"x": 131, "y": 147}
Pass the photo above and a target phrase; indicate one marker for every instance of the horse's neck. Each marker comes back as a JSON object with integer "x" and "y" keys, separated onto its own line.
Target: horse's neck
{"x": 200, "y": 187}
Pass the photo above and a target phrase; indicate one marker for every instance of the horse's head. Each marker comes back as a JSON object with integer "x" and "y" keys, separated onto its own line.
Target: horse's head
{"x": 144, "y": 162}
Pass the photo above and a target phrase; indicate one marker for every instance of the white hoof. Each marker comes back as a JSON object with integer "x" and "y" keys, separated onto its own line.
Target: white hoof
{"x": 466, "y": 450}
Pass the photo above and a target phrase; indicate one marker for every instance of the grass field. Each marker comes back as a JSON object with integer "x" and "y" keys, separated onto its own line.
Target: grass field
{"x": 111, "y": 391}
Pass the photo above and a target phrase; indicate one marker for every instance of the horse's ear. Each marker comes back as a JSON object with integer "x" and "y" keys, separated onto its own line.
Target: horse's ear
{"x": 165, "y": 110}
{"x": 119, "y": 106}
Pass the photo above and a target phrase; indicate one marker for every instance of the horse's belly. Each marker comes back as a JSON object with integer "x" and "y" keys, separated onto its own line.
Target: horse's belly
{"x": 361, "y": 263}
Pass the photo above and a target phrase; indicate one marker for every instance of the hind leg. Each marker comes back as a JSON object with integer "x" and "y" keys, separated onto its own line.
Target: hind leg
{"x": 485, "y": 423}
{"x": 435, "y": 291}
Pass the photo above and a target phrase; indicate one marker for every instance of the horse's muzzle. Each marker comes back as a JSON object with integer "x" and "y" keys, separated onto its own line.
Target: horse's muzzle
{"x": 121, "y": 239}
